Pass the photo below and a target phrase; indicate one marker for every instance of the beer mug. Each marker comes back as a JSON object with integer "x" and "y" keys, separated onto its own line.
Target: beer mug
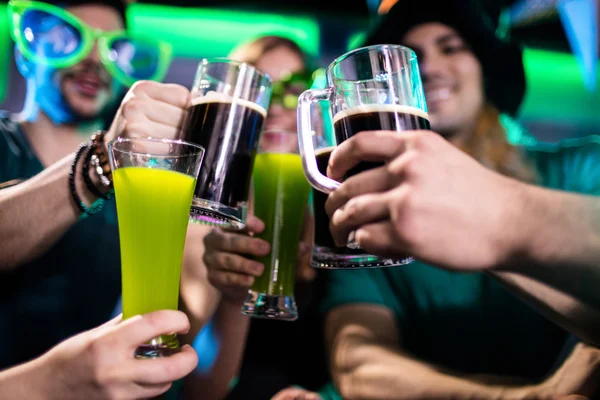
{"x": 371, "y": 88}
{"x": 225, "y": 116}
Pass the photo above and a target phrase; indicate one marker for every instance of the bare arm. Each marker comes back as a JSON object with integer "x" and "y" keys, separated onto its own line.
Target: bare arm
{"x": 447, "y": 210}
{"x": 224, "y": 259}
{"x": 554, "y": 262}
{"x": 36, "y": 213}
{"x": 228, "y": 327}
{"x": 198, "y": 298}
{"x": 22, "y": 382}
{"x": 367, "y": 363}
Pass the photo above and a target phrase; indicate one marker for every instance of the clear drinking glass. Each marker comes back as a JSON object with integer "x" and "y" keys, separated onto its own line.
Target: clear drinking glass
{"x": 280, "y": 201}
{"x": 371, "y": 88}
{"x": 226, "y": 114}
{"x": 154, "y": 181}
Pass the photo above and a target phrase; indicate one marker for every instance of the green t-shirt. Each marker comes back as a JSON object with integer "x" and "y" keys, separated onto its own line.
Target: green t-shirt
{"x": 468, "y": 321}
{"x": 73, "y": 287}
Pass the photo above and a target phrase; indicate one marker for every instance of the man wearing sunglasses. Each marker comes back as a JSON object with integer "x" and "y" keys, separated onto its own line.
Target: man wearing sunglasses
{"x": 59, "y": 248}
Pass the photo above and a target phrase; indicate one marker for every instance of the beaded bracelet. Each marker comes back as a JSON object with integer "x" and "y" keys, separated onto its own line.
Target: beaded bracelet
{"x": 88, "y": 181}
{"x": 98, "y": 204}
{"x": 99, "y": 159}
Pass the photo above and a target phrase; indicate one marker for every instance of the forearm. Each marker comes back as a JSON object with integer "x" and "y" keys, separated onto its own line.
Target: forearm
{"x": 227, "y": 333}
{"x": 24, "y": 382}
{"x": 37, "y": 212}
{"x": 556, "y": 263}
{"x": 386, "y": 374}
{"x": 564, "y": 309}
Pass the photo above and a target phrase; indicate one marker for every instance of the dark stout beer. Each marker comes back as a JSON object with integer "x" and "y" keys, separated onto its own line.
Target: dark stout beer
{"x": 347, "y": 123}
{"x": 323, "y": 236}
{"x": 373, "y": 117}
{"x": 229, "y": 130}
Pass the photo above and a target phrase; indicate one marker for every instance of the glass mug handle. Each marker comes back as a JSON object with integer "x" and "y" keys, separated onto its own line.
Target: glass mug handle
{"x": 305, "y": 139}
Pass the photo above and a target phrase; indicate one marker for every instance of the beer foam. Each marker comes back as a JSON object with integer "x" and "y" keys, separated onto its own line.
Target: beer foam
{"x": 216, "y": 97}
{"x": 373, "y": 108}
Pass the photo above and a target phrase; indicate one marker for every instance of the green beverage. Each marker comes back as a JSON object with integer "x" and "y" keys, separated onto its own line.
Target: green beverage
{"x": 153, "y": 206}
{"x": 154, "y": 182}
{"x": 280, "y": 200}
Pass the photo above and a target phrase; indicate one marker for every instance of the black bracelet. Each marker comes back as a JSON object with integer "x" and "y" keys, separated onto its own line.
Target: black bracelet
{"x": 88, "y": 181}
{"x": 97, "y": 206}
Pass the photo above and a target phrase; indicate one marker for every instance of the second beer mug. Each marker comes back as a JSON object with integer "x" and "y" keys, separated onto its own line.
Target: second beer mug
{"x": 228, "y": 107}
{"x": 371, "y": 88}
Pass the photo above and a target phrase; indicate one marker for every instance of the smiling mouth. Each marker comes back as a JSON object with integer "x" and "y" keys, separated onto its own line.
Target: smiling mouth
{"x": 88, "y": 85}
{"x": 437, "y": 95}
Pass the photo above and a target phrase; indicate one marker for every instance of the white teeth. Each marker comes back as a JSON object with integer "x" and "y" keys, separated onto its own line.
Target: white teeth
{"x": 438, "y": 94}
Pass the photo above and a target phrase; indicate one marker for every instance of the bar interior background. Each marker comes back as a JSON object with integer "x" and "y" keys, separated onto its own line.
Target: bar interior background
{"x": 560, "y": 38}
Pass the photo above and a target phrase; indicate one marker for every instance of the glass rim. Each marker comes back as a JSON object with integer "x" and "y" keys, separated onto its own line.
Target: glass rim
{"x": 238, "y": 64}
{"x": 366, "y": 49}
{"x": 198, "y": 149}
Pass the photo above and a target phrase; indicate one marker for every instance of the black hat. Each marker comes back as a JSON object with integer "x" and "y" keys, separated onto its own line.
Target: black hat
{"x": 502, "y": 62}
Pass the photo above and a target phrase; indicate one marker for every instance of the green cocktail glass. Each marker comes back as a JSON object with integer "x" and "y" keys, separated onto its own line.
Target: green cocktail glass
{"x": 154, "y": 182}
{"x": 280, "y": 201}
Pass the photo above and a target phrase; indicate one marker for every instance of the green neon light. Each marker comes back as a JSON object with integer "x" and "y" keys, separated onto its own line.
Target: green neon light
{"x": 356, "y": 40}
{"x": 5, "y": 48}
{"x": 556, "y": 91}
{"x": 200, "y": 32}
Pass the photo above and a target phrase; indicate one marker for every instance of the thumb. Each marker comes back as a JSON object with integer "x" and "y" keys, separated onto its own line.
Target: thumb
{"x": 254, "y": 224}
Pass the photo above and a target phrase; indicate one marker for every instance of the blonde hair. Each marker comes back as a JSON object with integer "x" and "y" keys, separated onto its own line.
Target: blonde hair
{"x": 251, "y": 52}
{"x": 490, "y": 146}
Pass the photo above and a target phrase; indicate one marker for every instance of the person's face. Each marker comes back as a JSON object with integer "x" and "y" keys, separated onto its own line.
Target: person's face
{"x": 87, "y": 87}
{"x": 452, "y": 77}
{"x": 278, "y": 63}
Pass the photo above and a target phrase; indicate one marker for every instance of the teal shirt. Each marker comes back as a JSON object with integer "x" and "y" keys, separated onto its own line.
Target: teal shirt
{"x": 73, "y": 287}
{"x": 468, "y": 321}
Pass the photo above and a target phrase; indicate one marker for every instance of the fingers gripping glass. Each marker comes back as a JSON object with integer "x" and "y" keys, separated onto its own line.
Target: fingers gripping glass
{"x": 368, "y": 89}
{"x": 49, "y": 35}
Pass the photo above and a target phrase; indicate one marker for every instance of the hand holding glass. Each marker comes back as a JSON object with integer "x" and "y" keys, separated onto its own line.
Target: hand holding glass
{"x": 368, "y": 89}
{"x": 154, "y": 182}
{"x": 280, "y": 201}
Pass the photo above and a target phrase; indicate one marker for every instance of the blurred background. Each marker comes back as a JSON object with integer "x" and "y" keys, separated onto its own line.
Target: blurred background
{"x": 560, "y": 38}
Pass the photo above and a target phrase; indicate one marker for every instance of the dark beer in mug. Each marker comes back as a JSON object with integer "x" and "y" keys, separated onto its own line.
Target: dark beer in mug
{"x": 229, "y": 130}
{"x": 367, "y": 89}
{"x": 325, "y": 253}
{"x": 375, "y": 117}
{"x": 347, "y": 123}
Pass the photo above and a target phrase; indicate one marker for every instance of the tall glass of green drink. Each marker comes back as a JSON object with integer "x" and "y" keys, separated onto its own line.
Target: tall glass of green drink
{"x": 154, "y": 183}
{"x": 280, "y": 201}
